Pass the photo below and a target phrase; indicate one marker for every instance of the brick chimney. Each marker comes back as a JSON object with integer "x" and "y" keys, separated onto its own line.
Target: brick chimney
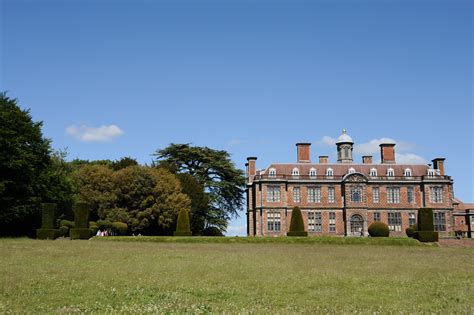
{"x": 303, "y": 152}
{"x": 367, "y": 159}
{"x": 438, "y": 164}
{"x": 387, "y": 153}
{"x": 251, "y": 166}
{"x": 323, "y": 159}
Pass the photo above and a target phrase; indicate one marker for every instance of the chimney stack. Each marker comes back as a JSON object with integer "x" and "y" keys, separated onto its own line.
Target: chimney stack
{"x": 323, "y": 159}
{"x": 303, "y": 152}
{"x": 387, "y": 152}
{"x": 438, "y": 164}
{"x": 367, "y": 159}
{"x": 251, "y": 169}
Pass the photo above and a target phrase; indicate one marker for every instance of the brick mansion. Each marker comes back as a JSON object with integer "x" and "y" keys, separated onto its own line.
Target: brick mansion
{"x": 344, "y": 198}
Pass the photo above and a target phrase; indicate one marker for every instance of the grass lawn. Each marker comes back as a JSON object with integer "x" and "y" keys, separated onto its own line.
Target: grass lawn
{"x": 273, "y": 277}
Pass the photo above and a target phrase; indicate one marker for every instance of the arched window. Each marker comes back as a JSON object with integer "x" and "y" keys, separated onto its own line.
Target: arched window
{"x": 351, "y": 170}
{"x": 407, "y": 172}
{"x": 373, "y": 172}
{"x": 272, "y": 172}
{"x": 312, "y": 172}
{"x": 390, "y": 172}
{"x": 356, "y": 193}
{"x": 329, "y": 172}
{"x": 295, "y": 172}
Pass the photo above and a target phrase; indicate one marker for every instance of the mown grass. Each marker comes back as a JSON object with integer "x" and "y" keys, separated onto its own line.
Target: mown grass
{"x": 149, "y": 277}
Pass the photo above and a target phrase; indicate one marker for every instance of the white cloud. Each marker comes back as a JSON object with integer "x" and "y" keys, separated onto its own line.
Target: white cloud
{"x": 94, "y": 134}
{"x": 236, "y": 230}
{"x": 371, "y": 147}
{"x": 327, "y": 140}
{"x": 409, "y": 158}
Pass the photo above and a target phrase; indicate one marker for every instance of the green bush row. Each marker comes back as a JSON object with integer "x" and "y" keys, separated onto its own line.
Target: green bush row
{"x": 47, "y": 234}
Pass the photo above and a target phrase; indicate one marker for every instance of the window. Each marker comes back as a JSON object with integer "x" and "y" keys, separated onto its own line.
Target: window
{"x": 356, "y": 193}
{"x": 390, "y": 172}
{"x": 331, "y": 194}
{"x": 373, "y": 172}
{"x": 314, "y": 194}
{"x": 411, "y": 218}
{"x": 375, "y": 195}
{"x": 272, "y": 172}
{"x": 312, "y": 172}
{"x": 376, "y": 216}
{"x": 351, "y": 170}
{"x": 329, "y": 172}
{"x": 273, "y": 194}
{"x": 295, "y": 172}
{"x": 394, "y": 221}
{"x": 439, "y": 221}
{"x": 332, "y": 221}
{"x": 431, "y": 173}
{"x": 296, "y": 194}
{"x": 436, "y": 194}
{"x": 273, "y": 221}
{"x": 410, "y": 195}
{"x": 393, "y": 194}
{"x": 314, "y": 221}
{"x": 407, "y": 172}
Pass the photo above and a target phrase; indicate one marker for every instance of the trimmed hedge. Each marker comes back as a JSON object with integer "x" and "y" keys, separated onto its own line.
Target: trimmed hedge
{"x": 410, "y": 232}
{"x": 80, "y": 233}
{"x": 81, "y": 215}
{"x": 104, "y": 224}
{"x": 183, "y": 228}
{"x": 69, "y": 224}
{"x": 47, "y": 234}
{"x": 47, "y": 215}
{"x": 64, "y": 231}
{"x": 120, "y": 228}
{"x": 212, "y": 231}
{"x": 297, "y": 223}
{"x": 426, "y": 236}
{"x": 425, "y": 219}
{"x": 379, "y": 229}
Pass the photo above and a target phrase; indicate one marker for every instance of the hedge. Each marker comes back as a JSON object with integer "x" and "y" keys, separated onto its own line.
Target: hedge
{"x": 81, "y": 215}
{"x": 183, "y": 228}
{"x": 120, "y": 228}
{"x": 379, "y": 229}
{"x": 426, "y": 236}
{"x": 47, "y": 234}
{"x": 80, "y": 233}
{"x": 425, "y": 219}
{"x": 63, "y": 231}
{"x": 410, "y": 232}
{"x": 212, "y": 231}
{"x": 48, "y": 215}
{"x": 297, "y": 224}
{"x": 69, "y": 224}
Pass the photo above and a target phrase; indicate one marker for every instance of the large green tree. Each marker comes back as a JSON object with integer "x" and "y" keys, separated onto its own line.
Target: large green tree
{"x": 215, "y": 171}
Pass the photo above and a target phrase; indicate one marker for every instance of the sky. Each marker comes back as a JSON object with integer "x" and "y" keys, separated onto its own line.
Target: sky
{"x": 124, "y": 78}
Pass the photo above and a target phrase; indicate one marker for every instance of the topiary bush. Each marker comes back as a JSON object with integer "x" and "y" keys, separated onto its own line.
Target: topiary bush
{"x": 81, "y": 215}
{"x": 120, "y": 228}
{"x": 425, "y": 219}
{"x": 297, "y": 224}
{"x": 47, "y": 215}
{"x": 104, "y": 224}
{"x": 63, "y": 231}
{"x": 69, "y": 224}
{"x": 426, "y": 236}
{"x": 183, "y": 228}
{"x": 93, "y": 227}
{"x": 410, "y": 231}
{"x": 415, "y": 227}
{"x": 80, "y": 233}
{"x": 212, "y": 231}
{"x": 379, "y": 229}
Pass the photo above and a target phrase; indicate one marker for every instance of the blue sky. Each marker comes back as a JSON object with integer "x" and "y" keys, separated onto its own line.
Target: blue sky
{"x": 124, "y": 78}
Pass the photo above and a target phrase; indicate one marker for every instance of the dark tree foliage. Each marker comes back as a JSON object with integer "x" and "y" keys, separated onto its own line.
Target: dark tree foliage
{"x": 215, "y": 171}
{"x": 123, "y": 163}
{"x": 28, "y": 174}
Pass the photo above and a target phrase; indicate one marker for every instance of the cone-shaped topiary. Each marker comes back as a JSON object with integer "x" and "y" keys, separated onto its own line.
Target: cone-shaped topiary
{"x": 379, "y": 229}
{"x": 297, "y": 224}
{"x": 183, "y": 228}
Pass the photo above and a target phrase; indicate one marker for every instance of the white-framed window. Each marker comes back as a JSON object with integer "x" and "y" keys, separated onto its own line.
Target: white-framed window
{"x": 332, "y": 221}
{"x": 390, "y": 172}
{"x": 393, "y": 194}
{"x": 273, "y": 221}
{"x": 314, "y": 194}
{"x": 314, "y": 221}
{"x": 351, "y": 170}
{"x": 411, "y": 218}
{"x": 273, "y": 194}
{"x": 407, "y": 172}
{"x": 356, "y": 193}
{"x": 295, "y": 172}
{"x": 329, "y": 172}
{"x": 395, "y": 221}
{"x": 312, "y": 172}
{"x": 331, "y": 194}
{"x": 439, "y": 220}
{"x": 373, "y": 172}
{"x": 375, "y": 195}
{"x": 296, "y": 194}
{"x": 431, "y": 172}
{"x": 376, "y": 216}
{"x": 272, "y": 172}
{"x": 436, "y": 194}
{"x": 410, "y": 194}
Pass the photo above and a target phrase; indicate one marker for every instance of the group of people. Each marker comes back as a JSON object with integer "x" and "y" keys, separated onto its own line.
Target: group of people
{"x": 102, "y": 233}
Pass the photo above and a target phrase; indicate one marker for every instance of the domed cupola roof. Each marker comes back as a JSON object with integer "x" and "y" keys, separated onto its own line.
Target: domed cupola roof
{"x": 344, "y": 137}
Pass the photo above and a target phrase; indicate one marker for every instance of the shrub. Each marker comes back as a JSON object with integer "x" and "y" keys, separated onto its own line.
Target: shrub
{"x": 410, "y": 231}
{"x": 80, "y": 233}
{"x": 379, "y": 229}
{"x": 47, "y": 234}
{"x": 69, "y": 224}
{"x": 63, "y": 231}
{"x": 212, "y": 231}
{"x": 104, "y": 224}
{"x": 120, "y": 228}
{"x": 415, "y": 227}
{"x": 81, "y": 215}
{"x": 183, "y": 228}
{"x": 426, "y": 236}
{"x": 297, "y": 224}
{"x": 425, "y": 219}
{"x": 47, "y": 215}
{"x": 93, "y": 227}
